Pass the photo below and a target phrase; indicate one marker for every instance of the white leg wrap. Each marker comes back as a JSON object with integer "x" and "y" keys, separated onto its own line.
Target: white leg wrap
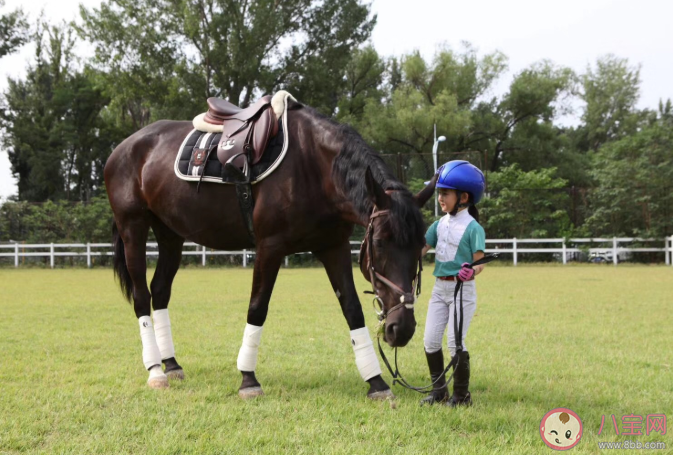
{"x": 247, "y": 356}
{"x": 365, "y": 357}
{"x": 162, "y": 328}
{"x": 151, "y": 354}
{"x": 156, "y": 373}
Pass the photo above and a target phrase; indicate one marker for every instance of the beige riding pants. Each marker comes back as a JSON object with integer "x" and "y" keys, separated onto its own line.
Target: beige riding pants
{"x": 440, "y": 314}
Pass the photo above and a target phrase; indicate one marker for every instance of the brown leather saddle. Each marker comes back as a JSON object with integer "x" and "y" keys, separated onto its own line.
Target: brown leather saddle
{"x": 245, "y": 132}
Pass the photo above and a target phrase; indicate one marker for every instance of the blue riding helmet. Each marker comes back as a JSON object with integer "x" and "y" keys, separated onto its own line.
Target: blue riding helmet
{"x": 462, "y": 176}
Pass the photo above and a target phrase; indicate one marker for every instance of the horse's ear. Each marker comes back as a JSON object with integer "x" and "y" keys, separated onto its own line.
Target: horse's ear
{"x": 426, "y": 193}
{"x": 375, "y": 191}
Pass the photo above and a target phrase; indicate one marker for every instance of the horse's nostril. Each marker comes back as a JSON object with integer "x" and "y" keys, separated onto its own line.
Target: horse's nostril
{"x": 391, "y": 331}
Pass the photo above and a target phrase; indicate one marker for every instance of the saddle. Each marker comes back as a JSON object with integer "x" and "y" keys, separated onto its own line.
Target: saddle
{"x": 245, "y": 132}
{"x": 240, "y": 137}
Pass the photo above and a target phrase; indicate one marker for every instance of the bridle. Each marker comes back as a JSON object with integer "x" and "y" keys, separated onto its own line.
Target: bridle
{"x": 407, "y": 299}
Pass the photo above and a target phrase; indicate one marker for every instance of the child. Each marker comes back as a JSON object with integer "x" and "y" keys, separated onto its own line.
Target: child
{"x": 459, "y": 240}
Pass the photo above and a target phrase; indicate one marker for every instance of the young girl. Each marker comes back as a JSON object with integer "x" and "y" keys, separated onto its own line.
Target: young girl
{"x": 459, "y": 240}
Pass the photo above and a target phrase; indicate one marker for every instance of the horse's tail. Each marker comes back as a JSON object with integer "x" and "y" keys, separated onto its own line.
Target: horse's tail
{"x": 121, "y": 271}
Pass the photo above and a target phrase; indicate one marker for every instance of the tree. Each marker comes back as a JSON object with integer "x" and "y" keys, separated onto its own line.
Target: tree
{"x": 422, "y": 95}
{"x": 13, "y": 31}
{"x": 610, "y": 92}
{"x": 56, "y": 221}
{"x": 56, "y": 140}
{"x": 33, "y": 149}
{"x": 523, "y": 204}
{"x": 13, "y": 221}
{"x": 364, "y": 77}
{"x": 519, "y": 127}
{"x": 634, "y": 193}
{"x": 163, "y": 58}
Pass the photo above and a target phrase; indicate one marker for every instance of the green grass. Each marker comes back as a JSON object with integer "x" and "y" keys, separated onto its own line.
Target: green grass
{"x": 595, "y": 339}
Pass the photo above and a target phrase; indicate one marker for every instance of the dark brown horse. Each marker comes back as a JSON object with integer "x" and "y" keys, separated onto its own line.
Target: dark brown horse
{"x": 328, "y": 181}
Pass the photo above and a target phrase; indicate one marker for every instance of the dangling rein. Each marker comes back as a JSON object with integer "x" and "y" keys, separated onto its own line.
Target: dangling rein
{"x": 457, "y": 330}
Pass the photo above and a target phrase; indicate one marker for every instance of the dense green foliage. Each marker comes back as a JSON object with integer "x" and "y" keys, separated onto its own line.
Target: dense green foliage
{"x": 608, "y": 175}
{"x": 13, "y": 30}
{"x": 535, "y": 196}
{"x": 73, "y": 381}
{"x": 634, "y": 175}
{"x": 58, "y": 222}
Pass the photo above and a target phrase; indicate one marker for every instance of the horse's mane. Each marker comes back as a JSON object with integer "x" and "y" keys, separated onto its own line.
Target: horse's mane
{"x": 348, "y": 172}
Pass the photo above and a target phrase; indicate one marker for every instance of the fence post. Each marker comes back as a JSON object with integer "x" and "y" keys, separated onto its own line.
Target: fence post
{"x": 564, "y": 252}
{"x": 286, "y": 262}
{"x": 88, "y": 255}
{"x": 245, "y": 258}
{"x": 203, "y": 256}
{"x": 51, "y": 255}
{"x": 16, "y": 254}
{"x": 666, "y": 258}
{"x": 515, "y": 255}
{"x": 614, "y": 250}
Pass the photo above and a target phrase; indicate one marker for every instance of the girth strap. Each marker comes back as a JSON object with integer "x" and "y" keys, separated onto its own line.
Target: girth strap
{"x": 243, "y": 192}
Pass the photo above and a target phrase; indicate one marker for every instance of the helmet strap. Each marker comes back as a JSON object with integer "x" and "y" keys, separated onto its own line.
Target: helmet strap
{"x": 459, "y": 194}
{"x": 459, "y": 205}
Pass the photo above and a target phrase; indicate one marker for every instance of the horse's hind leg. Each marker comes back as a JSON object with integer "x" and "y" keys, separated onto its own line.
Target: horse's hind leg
{"x": 133, "y": 231}
{"x": 170, "y": 254}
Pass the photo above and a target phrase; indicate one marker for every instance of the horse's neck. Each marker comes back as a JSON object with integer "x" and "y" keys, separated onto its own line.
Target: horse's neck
{"x": 323, "y": 150}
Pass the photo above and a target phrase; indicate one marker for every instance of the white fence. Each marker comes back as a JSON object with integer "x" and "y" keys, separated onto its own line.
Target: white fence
{"x": 559, "y": 247}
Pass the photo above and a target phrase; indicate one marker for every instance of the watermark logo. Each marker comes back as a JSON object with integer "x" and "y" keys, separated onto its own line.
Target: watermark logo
{"x": 632, "y": 424}
{"x": 561, "y": 429}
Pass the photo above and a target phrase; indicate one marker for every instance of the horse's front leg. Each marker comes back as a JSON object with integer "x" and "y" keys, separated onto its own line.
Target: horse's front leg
{"x": 267, "y": 264}
{"x": 337, "y": 262}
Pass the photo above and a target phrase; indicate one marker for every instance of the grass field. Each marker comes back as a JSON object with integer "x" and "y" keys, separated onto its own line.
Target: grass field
{"x": 595, "y": 339}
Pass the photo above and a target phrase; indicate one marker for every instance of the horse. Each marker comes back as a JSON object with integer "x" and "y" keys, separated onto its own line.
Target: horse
{"x": 329, "y": 181}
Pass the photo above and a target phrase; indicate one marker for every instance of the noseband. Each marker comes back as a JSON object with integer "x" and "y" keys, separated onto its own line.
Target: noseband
{"x": 407, "y": 299}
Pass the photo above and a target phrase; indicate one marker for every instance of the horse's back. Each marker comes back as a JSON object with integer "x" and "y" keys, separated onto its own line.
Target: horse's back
{"x": 140, "y": 179}
{"x": 135, "y": 149}
{"x": 125, "y": 167}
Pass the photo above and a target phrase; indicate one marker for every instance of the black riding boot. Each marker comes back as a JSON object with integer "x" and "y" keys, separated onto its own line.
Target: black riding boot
{"x": 439, "y": 392}
{"x": 461, "y": 382}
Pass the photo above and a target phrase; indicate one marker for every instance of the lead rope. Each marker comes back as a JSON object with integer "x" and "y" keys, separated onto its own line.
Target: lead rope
{"x": 458, "y": 334}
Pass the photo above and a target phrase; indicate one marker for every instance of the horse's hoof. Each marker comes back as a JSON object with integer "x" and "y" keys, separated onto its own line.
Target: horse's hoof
{"x": 158, "y": 382}
{"x": 250, "y": 392}
{"x": 176, "y": 374}
{"x": 381, "y": 395}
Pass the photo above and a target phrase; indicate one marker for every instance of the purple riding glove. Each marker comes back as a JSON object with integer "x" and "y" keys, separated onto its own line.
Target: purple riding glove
{"x": 466, "y": 272}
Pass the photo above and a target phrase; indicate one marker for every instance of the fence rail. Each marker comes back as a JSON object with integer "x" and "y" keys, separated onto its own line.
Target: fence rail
{"x": 565, "y": 248}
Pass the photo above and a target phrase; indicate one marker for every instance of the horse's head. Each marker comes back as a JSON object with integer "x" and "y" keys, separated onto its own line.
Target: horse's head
{"x": 390, "y": 257}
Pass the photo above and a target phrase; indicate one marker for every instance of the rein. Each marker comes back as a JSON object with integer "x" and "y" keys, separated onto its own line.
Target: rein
{"x": 458, "y": 335}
